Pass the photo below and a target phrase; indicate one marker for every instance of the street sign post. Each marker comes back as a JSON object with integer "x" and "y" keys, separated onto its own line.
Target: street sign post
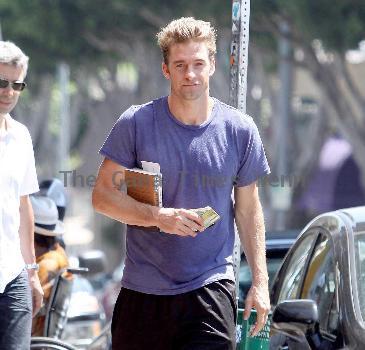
{"x": 239, "y": 53}
{"x": 238, "y": 87}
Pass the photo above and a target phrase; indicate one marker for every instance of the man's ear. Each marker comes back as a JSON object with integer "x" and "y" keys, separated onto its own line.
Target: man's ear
{"x": 212, "y": 66}
{"x": 165, "y": 71}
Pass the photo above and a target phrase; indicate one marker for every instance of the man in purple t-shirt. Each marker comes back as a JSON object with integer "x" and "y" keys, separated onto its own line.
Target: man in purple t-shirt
{"x": 178, "y": 287}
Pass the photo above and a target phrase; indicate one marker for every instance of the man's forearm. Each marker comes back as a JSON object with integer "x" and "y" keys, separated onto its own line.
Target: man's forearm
{"x": 109, "y": 198}
{"x": 251, "y": 228}
{"x": 26, "y": 230}
{"x": 119, "y": 206}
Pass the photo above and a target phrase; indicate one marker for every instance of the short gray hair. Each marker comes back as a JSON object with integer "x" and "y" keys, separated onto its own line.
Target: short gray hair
{"x": 11, "y": 54}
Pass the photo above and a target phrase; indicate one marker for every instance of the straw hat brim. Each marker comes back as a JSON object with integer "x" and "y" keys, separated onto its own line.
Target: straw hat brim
{"x": 58, "y": 230}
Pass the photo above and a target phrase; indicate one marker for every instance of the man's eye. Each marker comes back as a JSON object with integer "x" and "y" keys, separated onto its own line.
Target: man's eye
{"x": 179, "y": 66}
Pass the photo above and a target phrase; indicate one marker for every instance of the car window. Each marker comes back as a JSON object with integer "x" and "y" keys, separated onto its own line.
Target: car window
{"x": 295, "y": 269}
{"x": 320, "y": 284}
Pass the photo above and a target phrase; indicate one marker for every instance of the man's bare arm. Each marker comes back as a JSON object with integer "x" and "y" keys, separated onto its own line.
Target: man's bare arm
{"x": 26, "y": 236}
{"x": 108, "y": 199}
{"x": 250, "y": 223}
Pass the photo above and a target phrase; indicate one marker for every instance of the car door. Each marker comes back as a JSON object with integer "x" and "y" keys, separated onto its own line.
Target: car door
{"x": 320, "y": 285}
{"x": 287, "y": 283}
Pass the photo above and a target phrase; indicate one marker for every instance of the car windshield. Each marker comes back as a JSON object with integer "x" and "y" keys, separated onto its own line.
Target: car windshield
{"x": 360, "y": 270}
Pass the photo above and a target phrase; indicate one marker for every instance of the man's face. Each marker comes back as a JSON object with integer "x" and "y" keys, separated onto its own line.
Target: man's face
{"x": 8, "y": 96}
{"x": 189, "y": 69}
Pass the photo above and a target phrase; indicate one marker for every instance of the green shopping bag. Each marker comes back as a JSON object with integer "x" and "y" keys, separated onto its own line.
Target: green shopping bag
{"x": 244, "y": 341}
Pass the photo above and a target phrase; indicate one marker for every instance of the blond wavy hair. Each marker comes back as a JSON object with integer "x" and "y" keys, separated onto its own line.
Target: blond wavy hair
{"x": 185, "y": 29}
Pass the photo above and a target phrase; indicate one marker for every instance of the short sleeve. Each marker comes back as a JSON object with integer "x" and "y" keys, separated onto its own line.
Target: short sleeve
{"x": 120, "y": 145}
{"x": 29, "y": 183}
{"x": 253, "y": 163}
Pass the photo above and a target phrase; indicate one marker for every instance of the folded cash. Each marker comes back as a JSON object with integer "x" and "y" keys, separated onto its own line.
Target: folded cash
{"x": 208, "y": 214}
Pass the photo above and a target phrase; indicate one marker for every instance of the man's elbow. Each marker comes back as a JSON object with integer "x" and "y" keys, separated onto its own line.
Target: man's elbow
{"x": 246, "y": 213}
{"x": 96, "y": 199}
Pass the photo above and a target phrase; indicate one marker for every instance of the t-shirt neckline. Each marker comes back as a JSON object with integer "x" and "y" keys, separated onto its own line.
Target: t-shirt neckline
{"x": 186, "y": 126}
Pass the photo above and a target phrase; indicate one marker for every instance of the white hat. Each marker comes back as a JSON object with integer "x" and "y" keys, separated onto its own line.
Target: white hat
{"x": 46, "y": 217}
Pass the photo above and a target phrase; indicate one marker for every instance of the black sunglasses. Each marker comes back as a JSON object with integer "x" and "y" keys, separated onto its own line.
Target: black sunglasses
{"x": 16, "y": 85}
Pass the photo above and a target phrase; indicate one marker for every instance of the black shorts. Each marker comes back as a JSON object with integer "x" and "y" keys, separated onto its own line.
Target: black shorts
{"x": 204, "y": 318}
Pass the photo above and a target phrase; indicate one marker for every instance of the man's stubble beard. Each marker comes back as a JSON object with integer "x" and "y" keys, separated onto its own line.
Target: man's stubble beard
{"x": 191, "y": 95}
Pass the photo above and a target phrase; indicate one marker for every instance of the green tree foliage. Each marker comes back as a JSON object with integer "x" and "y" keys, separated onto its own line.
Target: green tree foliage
{"x": 339, "y": 24}
{"x": 54, "y": 30}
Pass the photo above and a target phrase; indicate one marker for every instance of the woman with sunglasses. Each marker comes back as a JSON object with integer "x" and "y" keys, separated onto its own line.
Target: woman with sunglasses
{"x": 20, "y": 289}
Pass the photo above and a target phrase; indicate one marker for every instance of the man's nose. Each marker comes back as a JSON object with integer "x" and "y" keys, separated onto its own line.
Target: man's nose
{"x": 189, "y": 73}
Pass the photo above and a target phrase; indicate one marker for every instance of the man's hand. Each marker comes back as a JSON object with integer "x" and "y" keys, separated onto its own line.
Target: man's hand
{"x": 37, "y": 291}
{"x": 180, "y": 222}
{"x": 258, "y": 298}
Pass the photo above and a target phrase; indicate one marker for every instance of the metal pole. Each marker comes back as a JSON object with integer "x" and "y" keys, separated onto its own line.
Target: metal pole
{"x": 238, "y": 89}
{"x": 284, "y": 106}
{"x": 239, "y": 53}
{"x": 64, "y": 138}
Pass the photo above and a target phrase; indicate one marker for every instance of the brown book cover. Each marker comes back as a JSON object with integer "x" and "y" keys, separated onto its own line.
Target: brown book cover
{"x": 144, "y": 187}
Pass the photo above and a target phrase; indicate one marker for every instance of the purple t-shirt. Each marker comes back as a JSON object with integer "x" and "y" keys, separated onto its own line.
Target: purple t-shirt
{"x": 199, "y": 166}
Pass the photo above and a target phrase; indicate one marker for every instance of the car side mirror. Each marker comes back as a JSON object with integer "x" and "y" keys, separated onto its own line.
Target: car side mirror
{"x": 94, "y": 260}
{"x": 296, "y": 318}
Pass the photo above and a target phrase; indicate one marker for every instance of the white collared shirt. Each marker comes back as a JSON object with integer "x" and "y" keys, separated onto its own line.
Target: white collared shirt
{"x": 18, "y": 178}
